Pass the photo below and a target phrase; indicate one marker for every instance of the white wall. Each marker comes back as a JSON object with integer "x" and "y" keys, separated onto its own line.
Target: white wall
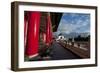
{"x": 5, "y": 40}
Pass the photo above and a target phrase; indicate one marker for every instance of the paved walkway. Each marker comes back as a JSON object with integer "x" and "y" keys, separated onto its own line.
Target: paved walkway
{"x": 58, "y": 52}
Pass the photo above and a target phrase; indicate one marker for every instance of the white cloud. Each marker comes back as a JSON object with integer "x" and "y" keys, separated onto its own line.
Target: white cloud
{"x": 74, "y": 25}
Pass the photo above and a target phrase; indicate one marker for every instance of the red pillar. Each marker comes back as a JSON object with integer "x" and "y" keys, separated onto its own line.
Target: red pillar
{"x": 33, "y": 34}
{"x": 48, "y": 30}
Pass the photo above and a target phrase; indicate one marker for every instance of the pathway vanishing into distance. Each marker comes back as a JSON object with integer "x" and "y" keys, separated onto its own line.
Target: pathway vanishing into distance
{"x": 58, "y": 52}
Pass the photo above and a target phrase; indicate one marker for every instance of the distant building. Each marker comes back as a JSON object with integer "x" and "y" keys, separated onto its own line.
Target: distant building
{"x": 61, "y": 37}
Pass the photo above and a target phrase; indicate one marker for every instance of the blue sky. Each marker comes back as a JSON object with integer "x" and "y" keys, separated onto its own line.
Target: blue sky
{"x": 74, "y": 22}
